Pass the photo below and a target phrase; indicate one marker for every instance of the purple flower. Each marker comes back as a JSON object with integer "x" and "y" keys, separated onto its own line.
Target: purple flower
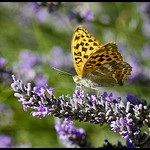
{"x": 92, "y": 98}
{"x": 31, "y": 99}
{"x": 35, "y": 5}
{"x": 107, "y": 98}
{"x": 136, "y": 69}
{"x": 127, "y": 117}
{"x": 27, "y": 59}
{"x": 59, "y": 129}
{"x": 41, "y": 111}
{"x": 50, "y": 6}
{"x": 5, "y": 141}
{"x": 49, "y": 90}
{"x": 29, "y": 68}
{"x": 123, "y": 125}
{"x": 78, "y": 94}
{"x": 3, "y": 61}
{"x": 40, "y": 81}
{"x": 40, "y": 91}
{"x": 42, "y": 15}
{"x": 81, "y": 13}
{"x": 130, "y": 144}
{"x": 76, "y": 137}
{"x": 89, "y": 15}
{"x": 132, "y": 99}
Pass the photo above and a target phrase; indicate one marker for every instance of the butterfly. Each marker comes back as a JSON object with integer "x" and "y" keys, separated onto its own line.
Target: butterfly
{"x": 97, "y": 65}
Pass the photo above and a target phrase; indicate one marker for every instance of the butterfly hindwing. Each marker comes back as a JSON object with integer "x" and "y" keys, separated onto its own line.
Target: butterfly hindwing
{"x": 83, "y": 45}
{"x": 121, "y": 71}
{"x": 105, "y": 54}
{"x": 110, "y": 74}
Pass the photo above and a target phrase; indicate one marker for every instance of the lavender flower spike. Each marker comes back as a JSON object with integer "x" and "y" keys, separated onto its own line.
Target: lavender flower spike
{"x": 31, "y": 99}
{"x": 126, "y": 116}
{"x": 5, "y": 141}
{"x": 73, "y": 137}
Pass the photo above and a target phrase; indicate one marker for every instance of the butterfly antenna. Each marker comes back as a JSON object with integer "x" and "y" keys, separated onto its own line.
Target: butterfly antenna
{"x": 64, "y": 73}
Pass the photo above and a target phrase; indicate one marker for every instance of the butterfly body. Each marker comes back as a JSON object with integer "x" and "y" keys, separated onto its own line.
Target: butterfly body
{"x": 85, "y": 82}
{"x": 97, "y": 65}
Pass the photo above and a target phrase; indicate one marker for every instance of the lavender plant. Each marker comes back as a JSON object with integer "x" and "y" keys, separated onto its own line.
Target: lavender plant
{"x": 125, "y": 116}
{"x": 80, "y": 13}
{"x": 31, "y": 70}
{"x": 70, "y": 135}
{"x": 5, "y": 141}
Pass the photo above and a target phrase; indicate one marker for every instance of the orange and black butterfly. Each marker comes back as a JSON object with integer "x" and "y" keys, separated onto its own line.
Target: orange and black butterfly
{"x": 97, "y": 65}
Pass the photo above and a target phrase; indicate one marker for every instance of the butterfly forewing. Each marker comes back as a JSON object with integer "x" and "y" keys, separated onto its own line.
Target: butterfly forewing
{"x": 105, "y": 54}
{"x": 83, "y": 45}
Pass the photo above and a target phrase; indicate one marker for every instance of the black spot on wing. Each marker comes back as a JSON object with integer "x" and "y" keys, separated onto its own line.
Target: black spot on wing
{"x": 84, "y": 49}
{"x": 89, "y": 65}
{"x": 86, "y": 44}
{"x": 91, "y": 48}
{"x": 92, "y": 62}
{"x": 78, "y": 54}
{"x": 77, "y": 37}
{"x": 95, "y": 44}
{"x": 115, "y": 57}
{"x": 76, "y": 58}
{"x": 95, "y": 56}
{"x": 113, "y": 53}
{"x": 77, "y": 46}
{"x": 109, "y": 59}
{"x": 98, "y": 64}
{"x": 86, "y": 56}
{"x": 90, "y": 40}
{"x": 102, "y": 55}
{"x": 107, "y": 56}
{"x": 81, "y": 43}
{"x": 101, "y": 59}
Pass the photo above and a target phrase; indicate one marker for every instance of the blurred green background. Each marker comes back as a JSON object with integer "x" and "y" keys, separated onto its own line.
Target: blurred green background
{"x": 38, "y": 28}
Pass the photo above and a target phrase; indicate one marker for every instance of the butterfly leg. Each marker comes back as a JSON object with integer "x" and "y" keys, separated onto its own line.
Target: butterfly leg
{"x": 78, "y": 87}
{"x": 96, "y": 93}
{"x": 80, "y": 92}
